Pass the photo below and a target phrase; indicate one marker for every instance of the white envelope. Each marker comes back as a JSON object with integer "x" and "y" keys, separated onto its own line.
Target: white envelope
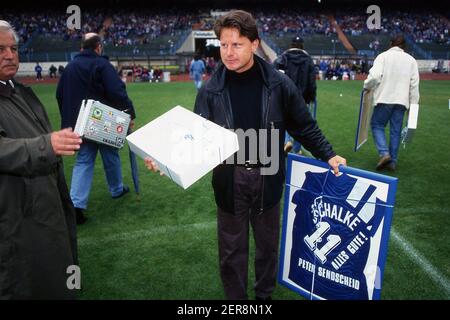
{"x": 184, "y": 145}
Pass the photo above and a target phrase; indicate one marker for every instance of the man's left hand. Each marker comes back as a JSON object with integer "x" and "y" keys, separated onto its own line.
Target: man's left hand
{"x": 335, "y": 162}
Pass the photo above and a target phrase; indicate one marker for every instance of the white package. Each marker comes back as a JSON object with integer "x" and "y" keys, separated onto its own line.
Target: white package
{"x": 184, "y": 145}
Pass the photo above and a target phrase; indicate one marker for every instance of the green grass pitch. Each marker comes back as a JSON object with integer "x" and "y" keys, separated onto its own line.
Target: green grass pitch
{"x": 165, "y": 245}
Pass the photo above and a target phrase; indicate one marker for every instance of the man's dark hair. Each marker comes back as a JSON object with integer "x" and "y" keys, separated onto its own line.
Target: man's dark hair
{"x": 398, "y": 40}
{"x": 91, "y": 43}
{"x": 238, "y": 19}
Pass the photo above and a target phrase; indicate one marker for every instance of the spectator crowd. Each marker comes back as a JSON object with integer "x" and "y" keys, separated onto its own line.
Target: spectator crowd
{"x": 133, "y": 27}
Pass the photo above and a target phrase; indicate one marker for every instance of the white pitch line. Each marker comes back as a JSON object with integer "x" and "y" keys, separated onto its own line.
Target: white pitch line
{"x": 126, "y": 236}
{"x": 434, "y": 273}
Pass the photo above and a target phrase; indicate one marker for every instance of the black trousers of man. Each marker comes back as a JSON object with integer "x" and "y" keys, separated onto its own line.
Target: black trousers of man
{"x": 233, "y": 235}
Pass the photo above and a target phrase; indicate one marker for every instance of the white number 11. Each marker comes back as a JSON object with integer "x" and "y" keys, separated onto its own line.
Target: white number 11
{"x": 332, "y": 241}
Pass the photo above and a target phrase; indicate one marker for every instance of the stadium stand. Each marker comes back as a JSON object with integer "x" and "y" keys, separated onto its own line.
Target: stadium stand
{"x": 130, "y": 35}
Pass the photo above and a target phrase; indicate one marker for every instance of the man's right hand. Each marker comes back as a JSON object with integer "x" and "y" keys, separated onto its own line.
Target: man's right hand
{"x": 65, "y": 142}
{"x": 152, "y": 166}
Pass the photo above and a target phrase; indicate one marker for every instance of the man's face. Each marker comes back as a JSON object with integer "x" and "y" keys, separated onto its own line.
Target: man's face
{"x": 99, "y": 49}
{"x": 236, "y": 51}
{"x": 9, "y": 56}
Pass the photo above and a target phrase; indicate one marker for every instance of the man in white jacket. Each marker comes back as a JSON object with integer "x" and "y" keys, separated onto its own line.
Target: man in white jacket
{"x": 394, "y": 78}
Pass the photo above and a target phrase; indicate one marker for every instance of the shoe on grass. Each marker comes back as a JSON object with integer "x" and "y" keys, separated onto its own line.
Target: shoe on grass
{"x": 383, "y": 162}
{"x": 125, "y": 190}
{"x": 391, "y": 166}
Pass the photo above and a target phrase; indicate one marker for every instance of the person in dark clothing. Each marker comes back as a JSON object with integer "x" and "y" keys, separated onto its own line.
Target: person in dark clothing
{"x": 52, "y": 71}
{"x": 247, "y": 93}
{"x": 37, "y": 219}
{"x": 38, "y": 70}
{"x": 298, "y": 65}
{"x": 91, "y": 76}
{"x": 60, "y": 70}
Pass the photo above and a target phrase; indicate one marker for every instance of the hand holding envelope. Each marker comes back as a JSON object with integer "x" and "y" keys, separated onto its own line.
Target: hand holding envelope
{"x": 152, "y": 166}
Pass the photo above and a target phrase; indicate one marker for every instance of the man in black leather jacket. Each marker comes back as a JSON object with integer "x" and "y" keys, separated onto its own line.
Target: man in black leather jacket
{"x": 247, "y": 93}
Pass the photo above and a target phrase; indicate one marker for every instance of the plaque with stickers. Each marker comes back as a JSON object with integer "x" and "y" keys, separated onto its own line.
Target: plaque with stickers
{"x": 102, "y": 124}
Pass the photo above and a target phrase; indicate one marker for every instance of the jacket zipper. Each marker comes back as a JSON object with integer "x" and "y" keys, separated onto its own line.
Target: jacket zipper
{"x": 227, "y": 101}
{"x": 261, "y": 209}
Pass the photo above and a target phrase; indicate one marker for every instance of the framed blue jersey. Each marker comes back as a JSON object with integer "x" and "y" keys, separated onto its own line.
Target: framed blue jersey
{"x": 335, "y": 230}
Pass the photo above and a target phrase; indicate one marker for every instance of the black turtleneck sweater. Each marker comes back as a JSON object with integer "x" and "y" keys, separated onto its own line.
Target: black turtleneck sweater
{"x": 246, "y": 97}
{"x": 246, "y": 102}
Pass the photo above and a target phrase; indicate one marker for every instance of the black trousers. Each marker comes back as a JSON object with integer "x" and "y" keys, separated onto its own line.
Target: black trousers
{"x": 233, "y": 236}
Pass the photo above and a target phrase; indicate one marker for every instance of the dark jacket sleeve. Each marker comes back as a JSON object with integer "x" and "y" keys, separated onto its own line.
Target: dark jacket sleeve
{"x": 301, "y": 125}
{"x": 201, "y": 104}
{"x": 26, "y": 157}
{"x": 311, "y": 87}
{"x": 115, "y": 89}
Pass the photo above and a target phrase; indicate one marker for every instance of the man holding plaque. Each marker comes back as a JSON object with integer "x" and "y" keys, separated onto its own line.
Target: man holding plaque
{"x": 249, "y": 94}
